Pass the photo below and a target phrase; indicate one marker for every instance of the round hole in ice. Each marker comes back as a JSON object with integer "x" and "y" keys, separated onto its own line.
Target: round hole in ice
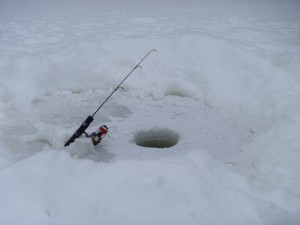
{"x": 156, "y": 138}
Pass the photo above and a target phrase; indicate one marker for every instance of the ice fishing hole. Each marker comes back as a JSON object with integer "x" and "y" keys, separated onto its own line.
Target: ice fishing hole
{"x": 156, "y": 138}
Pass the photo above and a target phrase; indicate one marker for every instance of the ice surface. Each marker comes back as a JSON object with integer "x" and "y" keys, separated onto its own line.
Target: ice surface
{"x": 225, "y": 78}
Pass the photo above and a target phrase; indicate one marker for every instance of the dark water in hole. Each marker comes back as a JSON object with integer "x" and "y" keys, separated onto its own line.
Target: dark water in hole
{"x": 156, "y": 143}
{"x": 156, "y": 138}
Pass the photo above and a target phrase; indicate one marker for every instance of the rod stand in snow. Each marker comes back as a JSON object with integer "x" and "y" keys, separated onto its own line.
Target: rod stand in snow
{"x": 99, "y": 134}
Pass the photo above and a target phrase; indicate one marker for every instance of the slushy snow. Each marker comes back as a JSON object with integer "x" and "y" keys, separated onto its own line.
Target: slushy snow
{"x": 224, "y": 80}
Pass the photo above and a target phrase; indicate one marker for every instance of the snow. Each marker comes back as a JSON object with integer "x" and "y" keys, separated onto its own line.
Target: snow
{"x": 224, "y": 78}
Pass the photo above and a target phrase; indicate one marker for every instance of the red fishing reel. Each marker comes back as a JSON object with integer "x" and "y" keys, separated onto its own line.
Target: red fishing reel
{"x": 99, "y": 134}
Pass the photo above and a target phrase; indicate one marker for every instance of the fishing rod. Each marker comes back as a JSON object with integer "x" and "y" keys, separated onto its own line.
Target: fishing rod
{"x": 90, "y": 119}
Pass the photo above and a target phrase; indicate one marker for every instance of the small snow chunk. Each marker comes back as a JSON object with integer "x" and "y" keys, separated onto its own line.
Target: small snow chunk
{"x": 180, "y": 90}
{"x": 81, "y": 149}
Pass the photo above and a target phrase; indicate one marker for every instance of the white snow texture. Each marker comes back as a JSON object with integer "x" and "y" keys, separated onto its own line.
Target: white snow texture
{"x": 224, "y": 85}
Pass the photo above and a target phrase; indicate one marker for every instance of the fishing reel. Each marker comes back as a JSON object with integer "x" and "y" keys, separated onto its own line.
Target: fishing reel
{"x": 98, "y": 135}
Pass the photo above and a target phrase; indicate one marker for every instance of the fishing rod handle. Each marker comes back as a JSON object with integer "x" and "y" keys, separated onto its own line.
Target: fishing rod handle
{"x": 80, "y": 130}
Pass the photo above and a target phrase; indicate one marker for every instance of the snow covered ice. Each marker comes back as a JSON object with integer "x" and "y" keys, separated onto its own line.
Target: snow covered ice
{"x": 225, "y": 79}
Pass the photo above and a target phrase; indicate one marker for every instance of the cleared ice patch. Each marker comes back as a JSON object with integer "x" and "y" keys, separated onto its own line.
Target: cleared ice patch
{"x": 156, "y": 138}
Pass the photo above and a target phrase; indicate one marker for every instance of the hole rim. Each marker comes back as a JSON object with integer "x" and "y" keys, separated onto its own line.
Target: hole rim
{"x": 160, "y": 138}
